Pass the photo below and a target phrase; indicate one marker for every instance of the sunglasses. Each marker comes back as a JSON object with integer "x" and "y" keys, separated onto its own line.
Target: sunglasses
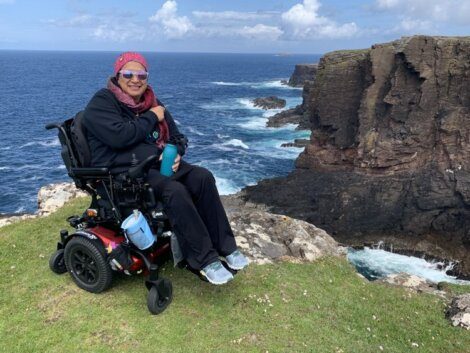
{"x": 141, "y": 75}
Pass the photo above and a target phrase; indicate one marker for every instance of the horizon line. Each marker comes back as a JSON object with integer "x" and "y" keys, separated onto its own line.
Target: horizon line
{"x": 163, "y": 51}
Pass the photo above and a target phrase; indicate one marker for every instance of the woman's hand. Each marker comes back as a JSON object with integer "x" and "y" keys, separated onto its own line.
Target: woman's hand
{"x": 159, "y": 112}
{"x": 176, "y": 165}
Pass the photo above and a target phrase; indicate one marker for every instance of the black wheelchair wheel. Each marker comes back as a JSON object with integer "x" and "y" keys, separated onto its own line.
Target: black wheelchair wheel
{"x": 57, "y": 263}
{"x": 86, "y": 262}
{"x": 159, "y": 297}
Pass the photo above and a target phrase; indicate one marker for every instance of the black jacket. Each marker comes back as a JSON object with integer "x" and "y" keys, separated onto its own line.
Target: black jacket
{"x": 118, "y": 138}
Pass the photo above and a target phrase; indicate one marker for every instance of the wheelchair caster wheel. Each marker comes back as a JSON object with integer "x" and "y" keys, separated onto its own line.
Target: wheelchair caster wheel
{"x": 57, "y": 263}
{"x": 160, "y": 296}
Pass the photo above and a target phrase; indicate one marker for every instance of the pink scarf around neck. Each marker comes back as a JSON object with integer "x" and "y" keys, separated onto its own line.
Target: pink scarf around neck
{"x": 147, "y": 101}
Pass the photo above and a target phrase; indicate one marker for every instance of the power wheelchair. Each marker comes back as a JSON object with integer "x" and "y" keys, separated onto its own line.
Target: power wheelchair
{"x": 98, "y": 246}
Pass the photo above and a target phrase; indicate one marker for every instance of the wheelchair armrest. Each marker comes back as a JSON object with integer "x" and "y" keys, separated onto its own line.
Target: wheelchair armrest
{"x": 139, "y": 170}
{"x": 89, "y": 172}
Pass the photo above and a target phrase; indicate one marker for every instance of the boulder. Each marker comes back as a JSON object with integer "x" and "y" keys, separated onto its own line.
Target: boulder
{"x": 459, "y": 311}
{"x": 271, "y": 102}
{"x": 413, "y": 283}
{"x": 265, "y": 237}
{"x": 50, "y": 198}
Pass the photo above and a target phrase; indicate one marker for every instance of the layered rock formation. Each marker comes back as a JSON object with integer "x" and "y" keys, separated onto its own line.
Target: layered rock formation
{"x": 303, "y": 73}
{"x": 389, "y": 150}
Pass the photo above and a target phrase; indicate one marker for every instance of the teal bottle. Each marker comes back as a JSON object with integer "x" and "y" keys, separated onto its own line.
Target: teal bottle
{"x": 169, "y": 154}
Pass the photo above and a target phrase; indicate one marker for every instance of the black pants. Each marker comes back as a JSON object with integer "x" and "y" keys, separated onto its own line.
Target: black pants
{"x": 192, "y": 204}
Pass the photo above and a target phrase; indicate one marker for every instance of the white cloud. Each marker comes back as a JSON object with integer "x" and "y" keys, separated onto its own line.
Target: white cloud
{"x": 231, "y": 15}
{"x": 174, "y": 26}
{"x": 387, "y": 4}
{"x": 302, "y": 21}
{"x": 261, "y": 32}
{"x": 452, "y": 11}
{"x": 76, "y": 21}
{"x": 7, "y": 1}
{"x": 115, "y": 33}
{"x": 412, "y": 25}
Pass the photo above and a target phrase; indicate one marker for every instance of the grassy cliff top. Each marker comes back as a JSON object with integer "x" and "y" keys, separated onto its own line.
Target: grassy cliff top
{"x": 317, "y": 307}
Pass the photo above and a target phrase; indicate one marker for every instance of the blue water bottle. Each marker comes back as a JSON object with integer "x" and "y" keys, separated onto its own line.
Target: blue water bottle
{"x": 169, "y": 154}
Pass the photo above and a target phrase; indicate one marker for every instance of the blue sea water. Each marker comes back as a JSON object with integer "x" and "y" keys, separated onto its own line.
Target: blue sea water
{"x": 208, "y": 94}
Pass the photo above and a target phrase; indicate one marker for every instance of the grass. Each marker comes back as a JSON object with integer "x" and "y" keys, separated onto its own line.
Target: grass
{"x": 318, "y": 307}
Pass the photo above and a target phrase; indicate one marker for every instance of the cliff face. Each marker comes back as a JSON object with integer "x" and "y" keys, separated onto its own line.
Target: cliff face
{"x": 390, "y": 148}
{"x": 303, "y": 73}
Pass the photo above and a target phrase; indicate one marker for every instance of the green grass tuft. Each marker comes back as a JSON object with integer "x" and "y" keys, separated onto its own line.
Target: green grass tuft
{"x": 317, "y": 307}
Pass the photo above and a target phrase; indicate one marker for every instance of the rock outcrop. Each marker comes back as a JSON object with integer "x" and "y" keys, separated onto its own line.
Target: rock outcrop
{"x": 271, "y": 102}
{"x": 290, "y": 116}
{"x": 303, "y": 73}
{"x": 265, "y": 237}
{"x": 298, "y": 115}
{"x": 262, "y": 236}
{"x": 459, "y": 311}
{"x": 389, "y": 150}
{"x": 50, "y": 198}
{"x": 412, "y": 283}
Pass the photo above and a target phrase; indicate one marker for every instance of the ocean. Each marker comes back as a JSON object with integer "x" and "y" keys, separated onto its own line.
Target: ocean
{"x": 209, "y": 95}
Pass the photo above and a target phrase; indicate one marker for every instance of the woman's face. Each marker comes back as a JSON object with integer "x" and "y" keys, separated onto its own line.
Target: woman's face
{"x": 133, "y": 86}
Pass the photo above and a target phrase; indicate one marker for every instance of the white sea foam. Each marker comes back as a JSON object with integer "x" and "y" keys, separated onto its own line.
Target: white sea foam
{"x": 31, "y": 178}
{"x": 6, "y": 148}
{"x": 31, "y": 166}
{"x": 20, "y": 209}
{"x": 222, "y": 83}
{"x": 274, "y": 84}
{"x": 271, "y": 112}
{"x": 5, "y": 168}
{"x": 61, "y": 167}
{"x": 46, "y": 143}
{"x": 226, "y": 186}
{"x": 258, "y": 85}
{"x": 255, "y": 123}
{"x": 247, "y": 103}
{"x": 236, "y": 143}
{"x": 218, "y": 161}
{"x": 194, "y": 131}
{"x": 385, "y": 263}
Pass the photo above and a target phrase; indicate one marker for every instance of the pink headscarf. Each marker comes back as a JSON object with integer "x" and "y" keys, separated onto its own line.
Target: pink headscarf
{"x": 124, "y": 58}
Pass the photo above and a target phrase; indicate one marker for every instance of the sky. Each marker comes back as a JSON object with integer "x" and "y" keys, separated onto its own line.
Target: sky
{"x": 237, "y": 26}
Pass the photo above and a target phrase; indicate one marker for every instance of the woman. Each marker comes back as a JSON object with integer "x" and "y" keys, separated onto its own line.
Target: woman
{"x": 125, "y": 124}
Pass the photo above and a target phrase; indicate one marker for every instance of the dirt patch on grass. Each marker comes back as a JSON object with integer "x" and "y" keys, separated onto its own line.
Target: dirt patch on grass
{"x": 54, "y": 304}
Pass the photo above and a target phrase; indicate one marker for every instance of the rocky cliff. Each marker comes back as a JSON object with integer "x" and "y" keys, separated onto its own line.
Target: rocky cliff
{"x": 303, "y": 73}
{"x": 390, "y": 148}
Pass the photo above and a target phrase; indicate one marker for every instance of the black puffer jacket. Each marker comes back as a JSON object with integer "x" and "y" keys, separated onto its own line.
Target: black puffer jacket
{"x": 118, "y": 138}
